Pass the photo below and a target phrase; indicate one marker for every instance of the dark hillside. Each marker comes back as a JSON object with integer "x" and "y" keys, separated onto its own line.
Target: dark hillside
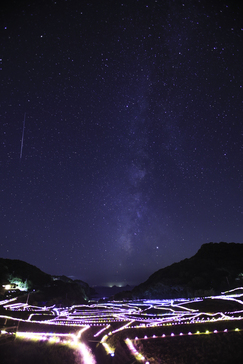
{"x": 214, "y": 268}
{"x": 41, "y": 288}
{"x": 10, "y": 268}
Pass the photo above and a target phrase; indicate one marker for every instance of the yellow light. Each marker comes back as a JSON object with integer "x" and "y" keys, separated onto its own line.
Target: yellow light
{"x": 108, "y": 349}
{"x": 8, "y": 286}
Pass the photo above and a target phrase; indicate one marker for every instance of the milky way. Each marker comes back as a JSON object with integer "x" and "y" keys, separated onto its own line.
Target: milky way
{"x": 132, "y": 154}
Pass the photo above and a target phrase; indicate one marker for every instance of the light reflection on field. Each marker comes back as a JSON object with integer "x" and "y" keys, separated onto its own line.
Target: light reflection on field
{"x": 71, "y": 340}
{"x": 106, "y": 319}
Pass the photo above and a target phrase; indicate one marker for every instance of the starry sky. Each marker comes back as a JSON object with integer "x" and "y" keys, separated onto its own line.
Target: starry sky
{"x": 121, "y": 134}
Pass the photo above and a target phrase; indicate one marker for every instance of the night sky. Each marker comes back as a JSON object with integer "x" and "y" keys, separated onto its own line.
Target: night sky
{"x": 121, "y": 134}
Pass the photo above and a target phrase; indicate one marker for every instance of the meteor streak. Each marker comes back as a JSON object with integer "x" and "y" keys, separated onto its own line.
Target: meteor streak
{"x": 22, "y": 140}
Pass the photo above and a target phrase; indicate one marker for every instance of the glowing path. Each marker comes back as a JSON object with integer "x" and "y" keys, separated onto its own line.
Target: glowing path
{"x": 71, "y": 340}
{"x": 104, "y": 320}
